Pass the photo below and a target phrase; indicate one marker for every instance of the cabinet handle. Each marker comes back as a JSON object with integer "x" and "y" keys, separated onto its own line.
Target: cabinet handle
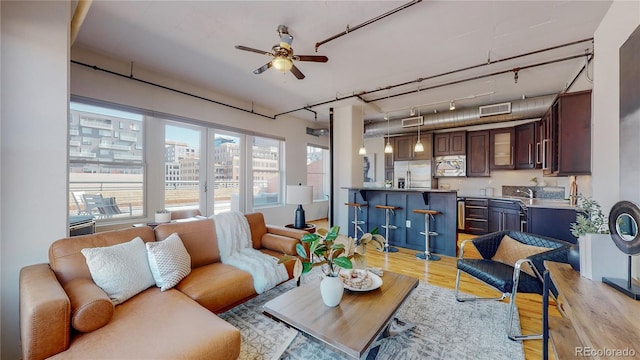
{"x": 530, "y": 146}
{"x": 544, "y": 154}
{"x": 475, "y": 207}
{"x": 511, "y": 163}
{"x": 538, "y": 146}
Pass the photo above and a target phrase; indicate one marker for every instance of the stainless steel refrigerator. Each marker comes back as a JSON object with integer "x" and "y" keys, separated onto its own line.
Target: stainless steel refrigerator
{"x": 414, "y": 174}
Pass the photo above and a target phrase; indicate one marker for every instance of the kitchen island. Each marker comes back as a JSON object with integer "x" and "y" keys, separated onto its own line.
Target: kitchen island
{"x": 409, "y": 224}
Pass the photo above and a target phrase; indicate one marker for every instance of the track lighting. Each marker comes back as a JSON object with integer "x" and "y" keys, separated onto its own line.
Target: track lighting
{"x": 412, "y": 112}
{"x": 452, "y": 105}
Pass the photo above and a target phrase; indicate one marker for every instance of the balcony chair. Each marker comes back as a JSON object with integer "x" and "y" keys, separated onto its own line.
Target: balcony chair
{"x": 511, "y": 266}
{"x": 102, "y": 207}
{"x": 80, "y": 205}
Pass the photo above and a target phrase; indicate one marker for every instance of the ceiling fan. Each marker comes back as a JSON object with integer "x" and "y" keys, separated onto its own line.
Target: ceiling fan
{"x": 283, "y": 55}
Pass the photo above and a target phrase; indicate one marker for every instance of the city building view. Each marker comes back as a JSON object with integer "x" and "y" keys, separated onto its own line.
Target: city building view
{"x": 107, "y": 166}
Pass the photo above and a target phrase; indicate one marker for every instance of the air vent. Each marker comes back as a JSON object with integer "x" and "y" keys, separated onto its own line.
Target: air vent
{"x": 317, "y": 132}
{"x": 496, "y": 109}
{"x": 412, "y": 121}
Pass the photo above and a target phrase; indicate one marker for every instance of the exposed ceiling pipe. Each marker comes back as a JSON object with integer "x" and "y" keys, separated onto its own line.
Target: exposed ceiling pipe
{"x": 78, "y": 18}
{"x": 370, "y": 21}
{"x": 520, "y": 110}
{"x": 360, "y": 94}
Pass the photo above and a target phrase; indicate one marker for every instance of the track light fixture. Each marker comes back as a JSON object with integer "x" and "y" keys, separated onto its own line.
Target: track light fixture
{"x": 412, "y": 112}
{"x": 452, "y": 105}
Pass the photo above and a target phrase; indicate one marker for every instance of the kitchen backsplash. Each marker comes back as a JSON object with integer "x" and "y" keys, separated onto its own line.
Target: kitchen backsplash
{"x": 469, "y": 186}
{"x": 539, "y": 192}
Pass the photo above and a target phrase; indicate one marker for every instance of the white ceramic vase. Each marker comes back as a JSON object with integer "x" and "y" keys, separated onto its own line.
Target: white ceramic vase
{"x": 331, "y": 289}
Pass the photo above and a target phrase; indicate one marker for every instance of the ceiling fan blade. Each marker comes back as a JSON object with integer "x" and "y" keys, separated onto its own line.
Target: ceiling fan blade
{"x": 240, "y": 47}
{"x": 315, "y": 58}
{"x": 263, "y": 68}
{"x": 295, "y": 71}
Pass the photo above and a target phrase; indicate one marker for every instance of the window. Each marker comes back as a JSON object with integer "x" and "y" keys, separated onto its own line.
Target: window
{"x": 266, "y": 166}
{"x": 318, "y": 171}
{"x": 182, "y": 166}
{"x": 106, "y": 172}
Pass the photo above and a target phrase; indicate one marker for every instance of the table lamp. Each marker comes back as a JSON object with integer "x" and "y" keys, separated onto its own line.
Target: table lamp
{"x": 299, "y": 194}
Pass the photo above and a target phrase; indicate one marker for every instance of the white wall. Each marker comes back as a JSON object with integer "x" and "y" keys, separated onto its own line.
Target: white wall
{"x": 100, "y": 85}
{"x": 34, "y": 92}
{"x": 347, "y": 138}
{"x": 622, "y": 18}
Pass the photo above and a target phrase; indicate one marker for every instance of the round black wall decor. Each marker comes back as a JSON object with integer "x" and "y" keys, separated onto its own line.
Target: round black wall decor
{"x": 623, "y": 226}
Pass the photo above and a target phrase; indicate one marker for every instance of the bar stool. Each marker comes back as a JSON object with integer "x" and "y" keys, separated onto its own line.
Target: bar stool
{"x": 356, "y": 223}
{"x": 387, "y": 226}
{"x": 427, "y": 255}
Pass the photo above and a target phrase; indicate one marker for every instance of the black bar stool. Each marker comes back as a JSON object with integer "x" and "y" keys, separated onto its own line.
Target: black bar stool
{"x": 428, "y": 214}
{"x": 388, "y": 210}
{"x": 356, "y": 223}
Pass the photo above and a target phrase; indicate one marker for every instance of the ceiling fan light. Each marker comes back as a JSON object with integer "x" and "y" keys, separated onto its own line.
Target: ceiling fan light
{"x": 282, "y": 63}
{"x": 419, "y": 147}
{"x": 363, "y": 150}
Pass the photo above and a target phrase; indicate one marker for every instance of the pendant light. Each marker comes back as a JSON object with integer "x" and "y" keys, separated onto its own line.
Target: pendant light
{"x": 388, "y": 149}
{"x": 363, "y": 150}
{"x": 419, "y": 147}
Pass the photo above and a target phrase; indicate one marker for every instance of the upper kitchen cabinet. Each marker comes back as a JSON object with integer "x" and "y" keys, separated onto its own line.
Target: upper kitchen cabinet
{"x": 404, "y": 147}
{"x": 450, "y": 143}
{"x": 549, "y": 141}
{"x": 527, "y": 146}
{"x": 574, "y": 133}
{"x": 502, "y": 149}
{"x": 478, "y": 153}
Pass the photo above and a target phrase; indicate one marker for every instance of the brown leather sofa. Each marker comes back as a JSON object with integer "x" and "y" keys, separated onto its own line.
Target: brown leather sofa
{"x": 58, "y": 298}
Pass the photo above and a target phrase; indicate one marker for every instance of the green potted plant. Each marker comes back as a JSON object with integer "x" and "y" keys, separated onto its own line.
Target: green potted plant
{"x": 163, "y": 216}
{"x": 591, "y": 228}
{"x": 332, "y": 251}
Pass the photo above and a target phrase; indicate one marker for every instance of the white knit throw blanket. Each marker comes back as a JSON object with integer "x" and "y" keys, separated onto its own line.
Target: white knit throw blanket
{"x": 234, "y": 241}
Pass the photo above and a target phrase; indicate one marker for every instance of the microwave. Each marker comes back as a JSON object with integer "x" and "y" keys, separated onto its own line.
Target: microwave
{"x": 452, "y": 165}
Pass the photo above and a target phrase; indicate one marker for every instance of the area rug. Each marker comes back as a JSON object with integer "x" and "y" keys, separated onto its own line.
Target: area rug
{"x": 445, "y": 329}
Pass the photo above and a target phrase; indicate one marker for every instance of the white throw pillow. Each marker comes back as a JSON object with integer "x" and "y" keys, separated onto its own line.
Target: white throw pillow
{"x": 121, "y": 270}
{"x": 169, "y": 261}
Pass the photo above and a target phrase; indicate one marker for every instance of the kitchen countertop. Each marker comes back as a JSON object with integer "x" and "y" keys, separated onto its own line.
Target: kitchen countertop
{"x": 535, "y": 202}
{"x": 420, "y": 190}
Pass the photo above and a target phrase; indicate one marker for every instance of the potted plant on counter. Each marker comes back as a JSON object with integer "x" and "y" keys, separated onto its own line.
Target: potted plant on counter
{"x": 332, "y": 251}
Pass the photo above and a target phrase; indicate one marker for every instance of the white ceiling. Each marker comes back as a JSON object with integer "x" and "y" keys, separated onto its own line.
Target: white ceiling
{"x": 194, "y": 41}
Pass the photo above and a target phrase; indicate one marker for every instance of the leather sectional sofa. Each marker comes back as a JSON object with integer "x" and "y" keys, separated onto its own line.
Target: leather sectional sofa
{"x": 58, "y": 298}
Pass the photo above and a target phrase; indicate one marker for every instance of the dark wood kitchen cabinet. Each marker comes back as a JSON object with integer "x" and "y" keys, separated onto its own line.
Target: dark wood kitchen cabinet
{"x": 502, "y": 149}
{"x": 574, "y": 133}
{"x": 549, "y": 141}
{"x": 450, "y": 143}
{"x": 504, "y": 215}
{"x": 527, "y": 148}
{"x": 478, "y": 153}
{"x": 404, "y": 145}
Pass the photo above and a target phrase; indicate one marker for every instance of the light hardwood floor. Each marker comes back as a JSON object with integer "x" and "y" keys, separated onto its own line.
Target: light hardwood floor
{"x": 443, "y": 273}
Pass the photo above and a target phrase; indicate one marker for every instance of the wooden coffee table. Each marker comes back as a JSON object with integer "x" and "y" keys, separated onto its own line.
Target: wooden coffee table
{"x": 351, "y": 327}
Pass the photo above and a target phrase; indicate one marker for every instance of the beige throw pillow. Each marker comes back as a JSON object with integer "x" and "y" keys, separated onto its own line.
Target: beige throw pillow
{"x": 511, "y": 250}
{"x": 169, "y": 261}
{"x": 121, "y": 270}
